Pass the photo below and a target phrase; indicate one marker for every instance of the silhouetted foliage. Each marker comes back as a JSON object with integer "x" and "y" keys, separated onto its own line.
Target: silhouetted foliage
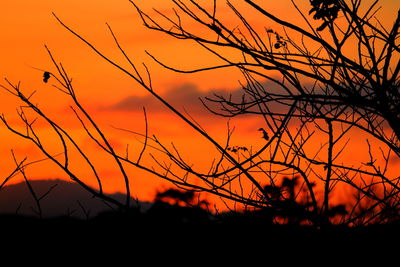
{"x": 181, "y": 198}
{"x": 236, "y": 149}
{"x": 178, "y": 197}
{"x": 46, "y": 76}
{"x": 326, "y": 10}
{"x": 291, "y": 205}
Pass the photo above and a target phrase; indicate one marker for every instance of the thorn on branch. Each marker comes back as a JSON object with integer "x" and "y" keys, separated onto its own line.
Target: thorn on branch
{"x": 371, "y": 163}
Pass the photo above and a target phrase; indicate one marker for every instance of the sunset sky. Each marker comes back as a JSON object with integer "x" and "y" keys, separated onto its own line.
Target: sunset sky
{"x": 111, "y": 97}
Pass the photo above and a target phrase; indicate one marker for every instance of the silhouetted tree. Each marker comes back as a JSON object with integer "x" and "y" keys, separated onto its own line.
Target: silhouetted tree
{"x": 339, "y": 73}
{"x": 178, "y": 197}
{"x": 333, "y": 74}
{"x": 177, "y": 206}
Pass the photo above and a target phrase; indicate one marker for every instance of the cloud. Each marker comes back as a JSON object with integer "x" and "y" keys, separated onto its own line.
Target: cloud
{"x": 184, "y": 97}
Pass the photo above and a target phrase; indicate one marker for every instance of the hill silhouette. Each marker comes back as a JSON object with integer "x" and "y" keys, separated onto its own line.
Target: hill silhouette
{"x": 64, "y": 199}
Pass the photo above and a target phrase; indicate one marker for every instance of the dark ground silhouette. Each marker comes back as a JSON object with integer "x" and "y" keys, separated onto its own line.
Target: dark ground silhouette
{"x": 174, "y": 217}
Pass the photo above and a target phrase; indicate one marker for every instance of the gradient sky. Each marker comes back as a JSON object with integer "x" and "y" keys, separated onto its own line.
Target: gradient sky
{"x": 113, "y": 99}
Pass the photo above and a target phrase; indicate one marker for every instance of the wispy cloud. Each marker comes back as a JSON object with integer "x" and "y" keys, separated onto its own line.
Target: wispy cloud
{"x": 184, "y": 97}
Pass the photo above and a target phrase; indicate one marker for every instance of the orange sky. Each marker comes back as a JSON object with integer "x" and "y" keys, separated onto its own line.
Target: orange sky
{"x": 25, "y": 26}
